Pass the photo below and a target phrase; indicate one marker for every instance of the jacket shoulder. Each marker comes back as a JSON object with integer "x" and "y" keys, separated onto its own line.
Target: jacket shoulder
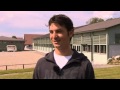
{"x": 84, "y": 59}
{"x": 43, "y": 59}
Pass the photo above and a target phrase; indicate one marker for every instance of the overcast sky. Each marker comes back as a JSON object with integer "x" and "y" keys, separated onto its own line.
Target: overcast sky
{"x": 18, "y": 23}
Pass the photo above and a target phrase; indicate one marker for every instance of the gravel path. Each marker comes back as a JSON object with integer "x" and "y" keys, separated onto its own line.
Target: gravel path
{"x": 23, "y": 57}
{"x": 27, "y": 57}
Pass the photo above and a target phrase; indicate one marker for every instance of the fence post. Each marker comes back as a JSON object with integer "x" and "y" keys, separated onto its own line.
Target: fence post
{"x": 23, "y": 66}
{"x": 6, "y": 67}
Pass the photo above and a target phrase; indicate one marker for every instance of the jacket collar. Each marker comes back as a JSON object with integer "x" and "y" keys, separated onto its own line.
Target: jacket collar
{"x": 50, "y": 56}
{"x": 76, "y": 57}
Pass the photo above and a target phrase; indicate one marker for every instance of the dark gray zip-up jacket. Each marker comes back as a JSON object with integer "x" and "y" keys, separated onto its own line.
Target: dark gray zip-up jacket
{"x": 78, "y": 67}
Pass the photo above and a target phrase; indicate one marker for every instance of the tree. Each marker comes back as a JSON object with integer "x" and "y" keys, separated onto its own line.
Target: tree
{"x": 14, "y": 37}
{"x": 94, "y": 20}
{"x": 110, "y": 19}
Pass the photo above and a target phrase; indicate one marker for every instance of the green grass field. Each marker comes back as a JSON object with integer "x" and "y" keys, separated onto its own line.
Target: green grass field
{"x": 100, "y": 73}
{"x": 107, "y": 73}
{"x": 17, "y": 74}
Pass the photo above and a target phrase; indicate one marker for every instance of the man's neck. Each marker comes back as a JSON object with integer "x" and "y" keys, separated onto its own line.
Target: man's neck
{"x": 64, "y": 52}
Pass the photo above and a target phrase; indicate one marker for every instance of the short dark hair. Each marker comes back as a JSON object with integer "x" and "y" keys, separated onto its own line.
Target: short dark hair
{"x": 62, "y": 20}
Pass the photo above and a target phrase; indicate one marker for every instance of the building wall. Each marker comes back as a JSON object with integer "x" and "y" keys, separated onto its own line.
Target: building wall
{"x": 19, "y": 45}
{"x": 104, "y": 38}
{"x": 100, "y": 58}
{"x": 79, "y": 42}
{"x": 42, "y": 45}
{"x": 88, "y": 46}
{"x": 112, "y": 31}
{"x": 114, "y": 49}
{"x": 99, "y": 38}
{"x": 97, "y": 58}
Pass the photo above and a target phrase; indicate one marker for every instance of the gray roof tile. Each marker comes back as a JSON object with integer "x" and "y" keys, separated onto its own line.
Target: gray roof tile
{"x": 99, "y": 26}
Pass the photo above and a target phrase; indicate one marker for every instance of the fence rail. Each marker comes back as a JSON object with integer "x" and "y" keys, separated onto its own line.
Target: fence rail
{"x": 17, "y": 66}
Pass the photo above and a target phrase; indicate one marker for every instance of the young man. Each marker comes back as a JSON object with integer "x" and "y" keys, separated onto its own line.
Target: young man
{"x": 63, "y": 62}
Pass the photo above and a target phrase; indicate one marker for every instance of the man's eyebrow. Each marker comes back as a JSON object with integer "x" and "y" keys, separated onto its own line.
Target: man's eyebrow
{"x": 59, "y": 29}
{"x": 56, "y": 30}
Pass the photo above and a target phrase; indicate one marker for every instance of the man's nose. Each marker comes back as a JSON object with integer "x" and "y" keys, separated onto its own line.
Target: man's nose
{"x": 54, "y": 35}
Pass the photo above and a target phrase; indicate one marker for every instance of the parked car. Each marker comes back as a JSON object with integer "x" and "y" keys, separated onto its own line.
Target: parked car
{"x": 11, "y": 48}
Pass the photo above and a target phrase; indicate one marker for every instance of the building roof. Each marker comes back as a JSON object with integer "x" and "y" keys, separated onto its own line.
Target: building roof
{"x": 29, "y": 38}
{"x": 99, "y": 26}
{"x": 4, "y": 38}
{"x": 93, "y": 27}
{"x": 45, "y": 35}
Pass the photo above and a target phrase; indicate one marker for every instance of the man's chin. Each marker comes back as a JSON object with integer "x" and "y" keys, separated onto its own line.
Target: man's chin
{"x": 57, "y": 46}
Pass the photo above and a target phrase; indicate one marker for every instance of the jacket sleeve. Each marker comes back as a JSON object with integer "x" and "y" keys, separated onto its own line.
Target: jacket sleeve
{"x": 35, "y": 72}
{"x": 89, "y": 71}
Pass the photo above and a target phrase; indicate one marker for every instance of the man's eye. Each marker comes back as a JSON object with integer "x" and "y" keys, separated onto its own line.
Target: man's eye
{"x": 51, "y": 31}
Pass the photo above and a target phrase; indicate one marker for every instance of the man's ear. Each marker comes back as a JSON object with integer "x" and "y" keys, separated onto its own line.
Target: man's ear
{"x": 71, "y": 33}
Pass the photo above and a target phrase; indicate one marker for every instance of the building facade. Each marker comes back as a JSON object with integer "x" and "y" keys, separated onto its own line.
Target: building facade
{"x": 98, "y": 41}
{"x": 29, "y": 40}
{"x": 18, "y": 42}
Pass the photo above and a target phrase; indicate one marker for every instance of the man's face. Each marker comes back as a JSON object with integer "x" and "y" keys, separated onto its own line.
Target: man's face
{"x": 59, "y": 36}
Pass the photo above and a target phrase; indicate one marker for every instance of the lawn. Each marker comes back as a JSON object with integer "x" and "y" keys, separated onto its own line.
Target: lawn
{"x": 100, "y": 73}
{"x": 16, "y": 74}
{"x": 107, "y": 73}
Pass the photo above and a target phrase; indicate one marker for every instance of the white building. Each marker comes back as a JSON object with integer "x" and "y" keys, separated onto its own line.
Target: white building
{"x": 98, "y": 41}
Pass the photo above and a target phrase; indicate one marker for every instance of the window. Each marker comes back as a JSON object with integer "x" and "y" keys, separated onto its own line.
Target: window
{"x": 102, "y": 48}
{"x": 84, "y": 47}
{"x": 117, "y": 38}
{"x": 96, "y": 48}
{"x": 89, "y": 48}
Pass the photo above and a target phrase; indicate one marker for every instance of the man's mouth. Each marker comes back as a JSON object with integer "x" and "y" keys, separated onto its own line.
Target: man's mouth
{"x": 55, "y": 42}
